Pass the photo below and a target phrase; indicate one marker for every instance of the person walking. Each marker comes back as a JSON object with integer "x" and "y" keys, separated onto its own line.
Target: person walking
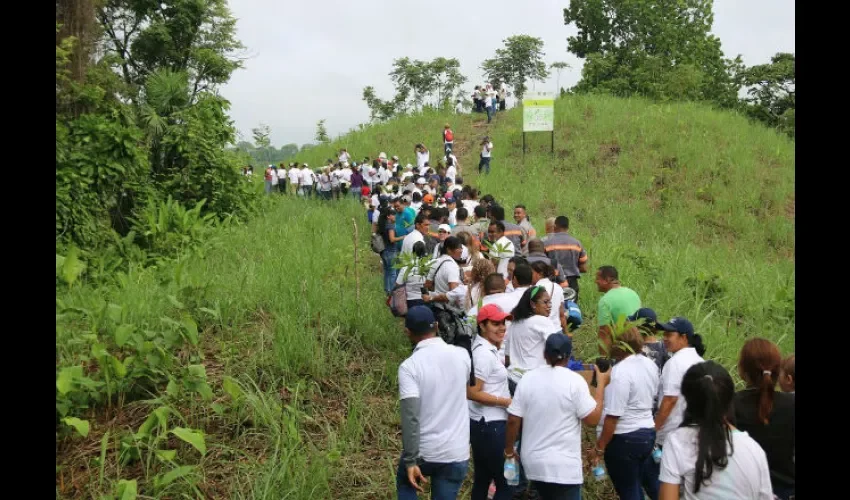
{"x": 412, "y": 280}
{"x": 550, "y": 404}
{"x": 529, "y": 329}
{"x": 308, "y": 178}
{"x": 568, "y": 251}
{"x": 489, "y": 399}
{"x": 523, "y": 221}
{"x": 269, "y": 177}
{"x": 486, "y": 148}
{"x": 448, "y": 139}
{"x": 434, "y": 413}
{"x": 294, "y": 176}
{"x": 281, "y": 179}
{"x": 768, "y": 416}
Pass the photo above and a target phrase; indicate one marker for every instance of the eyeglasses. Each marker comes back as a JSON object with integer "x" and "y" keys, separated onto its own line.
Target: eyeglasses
{"x": 545, "y": 302}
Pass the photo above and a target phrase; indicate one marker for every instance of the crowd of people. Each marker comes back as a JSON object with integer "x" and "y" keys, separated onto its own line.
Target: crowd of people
{"x": 668, "y": 422}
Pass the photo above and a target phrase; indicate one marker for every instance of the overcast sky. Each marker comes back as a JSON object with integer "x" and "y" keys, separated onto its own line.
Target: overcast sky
{"x": 311, "y": 59}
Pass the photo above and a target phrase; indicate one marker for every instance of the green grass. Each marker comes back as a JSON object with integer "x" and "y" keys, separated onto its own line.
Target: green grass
{"x": 695, "y": 208}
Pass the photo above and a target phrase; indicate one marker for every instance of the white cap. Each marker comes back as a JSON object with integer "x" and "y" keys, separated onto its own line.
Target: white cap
{"x": 382, "y": 156}
{"x": 444, "y": 227}
{"x": 409, "y": 166}
{"x": 420, "y": 180}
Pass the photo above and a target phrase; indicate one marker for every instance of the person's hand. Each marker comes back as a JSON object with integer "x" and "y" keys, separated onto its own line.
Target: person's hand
{"x": 426, "y": 298}
{"x": 507, "y": 402}
{"x": 414, "y": 475}
{"x": 602, "y": 378}
{"x": 597, "y": 454}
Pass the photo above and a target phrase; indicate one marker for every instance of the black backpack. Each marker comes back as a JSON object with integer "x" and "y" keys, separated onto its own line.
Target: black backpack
{"x": 455, "y": 329}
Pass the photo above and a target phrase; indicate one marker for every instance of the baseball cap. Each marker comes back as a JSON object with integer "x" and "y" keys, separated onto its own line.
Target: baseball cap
{"x": 558, "y": 346}
{"x": 395, "y": 158}
{"x": 493, "y": 313}
{"x": 444, "y": 227}
{"x": 569, "y": 294}
{"x": 382, "y": 156}
{"x": 428, "y": 198}
{"x": 420, "y": 180}
{"x": 408, "y": 166}
{"x": 677, "y": 324}
{"x": 646, "y": 314}
{"x": 420, "y": 319}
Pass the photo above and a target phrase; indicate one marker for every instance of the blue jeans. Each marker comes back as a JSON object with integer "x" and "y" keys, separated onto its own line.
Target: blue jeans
{"x": 489, "y": 113}
{"x": 388, "y": 258}
{"x": 416, "y": 302}
{"x": 446, "y": 480}
{"x": 308, "y": 191}
{"x": 628, "y": 458}
{"x": 554, "y": 491}
{"x": 484, "y": 164}
{"x": 488, "y": 446}
{"x": 355, "y": 192}
{"x": 268, "y": 187}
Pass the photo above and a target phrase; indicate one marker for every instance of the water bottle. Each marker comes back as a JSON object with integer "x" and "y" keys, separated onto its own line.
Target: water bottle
{"x": 656, "y": 454}
{"x": 598, "y": 472}
{"x": 511, "y": 471}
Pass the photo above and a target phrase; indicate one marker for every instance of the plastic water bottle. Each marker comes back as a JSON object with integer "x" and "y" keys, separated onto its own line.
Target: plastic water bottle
{"x": 511, "y": 471}
{"x": 599, "y": 472}
{"x": 656, "y": 454}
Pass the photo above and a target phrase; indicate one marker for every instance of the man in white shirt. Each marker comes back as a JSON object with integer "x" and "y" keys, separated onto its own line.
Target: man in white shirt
{"x": 422, "y": 155}
{"x": 308, "y": 178}
{"x": 503, "y": 248}
{"x": 488, "y": 106}
{"x": 294, "y": 177}
{"x": 486, "y": 148}
{"x": 407, "y": 174}
{"x": 420, "y": 229}
{"x": 344, "y": 157}
{"x": 451, "y": 172}
{"x": 434, "y": 413}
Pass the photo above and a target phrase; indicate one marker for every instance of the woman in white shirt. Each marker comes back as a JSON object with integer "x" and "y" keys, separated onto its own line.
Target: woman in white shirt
{"x": 444, "y": 275}
{"x": 707, "y": 458}
{"x": 488, "y": 400}
{"x": 687, "y": 349}
{"x": 551, "y": 402}
{"x": 540, "y": 274}
{"x": 626, "y": 432}
{"x": 527, "y": 334}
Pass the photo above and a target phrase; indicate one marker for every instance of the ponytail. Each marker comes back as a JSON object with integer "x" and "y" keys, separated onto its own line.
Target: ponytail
{"x": 759, "y": 366}
{"x": 695, "y": 341}
{"x": 708, "y": 390}
{"x": 766, "y": 390}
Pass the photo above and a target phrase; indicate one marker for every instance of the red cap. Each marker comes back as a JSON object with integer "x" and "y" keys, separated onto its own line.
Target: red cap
{"x": 492, "y": 312}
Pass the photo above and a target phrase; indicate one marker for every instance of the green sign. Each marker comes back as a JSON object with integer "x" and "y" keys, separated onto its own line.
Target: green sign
{"x": 538, "y": 112}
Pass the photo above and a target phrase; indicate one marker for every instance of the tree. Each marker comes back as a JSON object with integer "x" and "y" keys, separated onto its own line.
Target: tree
{"x": 417, "y": 84}
{"x": 771, "y": 91}
{"x": 662, "y": 49}
{"x": 559, "y": 66}
{"x": 519, "y": 61}
{"x": 262, "y": 141}
{"x": 321, "y": 133}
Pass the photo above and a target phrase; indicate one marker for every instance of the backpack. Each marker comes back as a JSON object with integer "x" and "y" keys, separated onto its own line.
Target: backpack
{"x": 378, "y": 244}
{"x": 397, "y": 301}
{"x": 449, "y": 136}
{"x": 455, "y": 329}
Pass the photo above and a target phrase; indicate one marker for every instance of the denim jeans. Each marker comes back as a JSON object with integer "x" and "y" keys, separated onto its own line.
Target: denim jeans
{"x": 445, "y": 478}
{"x": 489, "y": 113}
{"x": 554, "y": 491}
{"x": 628, "y": 458}
{"x": 388, "y": 258}
{"x": 415, "y": 302}
{"x": 484, "y": 164}
{"x": 308, "y": 191}
{"x": 268, "y": 187}
{"x": 354, "y": 192}
{"x": 488, "y": 446}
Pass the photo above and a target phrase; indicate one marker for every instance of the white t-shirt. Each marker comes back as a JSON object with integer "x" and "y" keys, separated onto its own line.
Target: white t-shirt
{"x": 504, "y": 257}
{"x": 551, "y": 402}
{"x": 294, "y": 175}
{"x": 527, "y": 339}
{"x": 485, "y": 150}
{"x": 346, "y": 174}
{"x": 437, "y": 374}
{"x": 453, "y": 157}
{"x": 488, "y": 101}
{"x": 453, "y": 217}
{"x": 344, "y": 157}
{"x": 411, "y": 239}
{"x": 306, "y": 177}
{"x": 459, "y": 107}
{"x": 631, "y": 394}
{"x": 489, "y": 368}
{"x": 470, "y": 205}
{"x": 413, "y": 285}
{"x": 406, "y": 175}
{"x": 506, "y": 302}
{"x": 671, "y": 385}
{"x": 444, "y": 271}
{"x": 556, "y": 294}
{"x": 275, "y": 178}
{"x": 746, "y": 476}
{"x": 422, "y": 157}
{"x": 451, "y": 173}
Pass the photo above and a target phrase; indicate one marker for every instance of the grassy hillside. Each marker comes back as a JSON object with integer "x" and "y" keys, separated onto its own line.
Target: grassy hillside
{"x": 694, "y": 207}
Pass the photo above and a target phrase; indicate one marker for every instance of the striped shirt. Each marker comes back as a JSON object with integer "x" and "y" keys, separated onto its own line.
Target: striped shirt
{"x": 567, "y": 250}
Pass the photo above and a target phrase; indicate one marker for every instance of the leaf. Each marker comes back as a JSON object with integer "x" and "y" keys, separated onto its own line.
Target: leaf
{"x": 118, "y": 367}
{"x": 198, "y": 371}
{"x": 231, "y": 387}
{"x": 127, "y": 490}
{"x": 173, "y": 389}
{"x": 122, "y": 333}
{"x": 72, "y": 266}
{"x": 82, "y": 426}
{"x": 176, "y": 303}
{"x": 195, "y": 438}
{"x": 166, "y": 455}
{"x": 115, "y": 311}
{"x": 65, "y": 380}
{"x": 174, "y": 474}
{"x": 191, "y": 329}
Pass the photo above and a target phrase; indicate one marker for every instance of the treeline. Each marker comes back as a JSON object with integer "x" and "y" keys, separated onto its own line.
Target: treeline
{"x": 142, "y": 136}
{"x": 662, "y": 50}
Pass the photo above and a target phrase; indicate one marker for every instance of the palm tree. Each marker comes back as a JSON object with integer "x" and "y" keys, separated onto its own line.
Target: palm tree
{"x": 166, "y": 93}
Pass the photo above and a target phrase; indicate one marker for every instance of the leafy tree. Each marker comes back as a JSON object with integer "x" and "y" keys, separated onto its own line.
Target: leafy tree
{"x": 519, "y": 61}
{"x": 322, "y": 133}
{"x": 771, "y": 91}
{"x": 262, "y": 141}
{"x": 288, "y": 151}
{"x": 662, "y": 49}
{"x": 417, "y": 84}
{"x": 559, "y": 66}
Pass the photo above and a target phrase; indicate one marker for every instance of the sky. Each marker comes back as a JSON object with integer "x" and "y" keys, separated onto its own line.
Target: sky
{"x": 310, "y": 60}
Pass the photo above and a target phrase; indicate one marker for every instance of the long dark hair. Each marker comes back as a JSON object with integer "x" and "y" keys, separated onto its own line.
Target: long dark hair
{"x": 708, "y": 390}
{"x": 384, "y": 211}
{"x": 759, "y": 365}
{"x": 525, "y": 307}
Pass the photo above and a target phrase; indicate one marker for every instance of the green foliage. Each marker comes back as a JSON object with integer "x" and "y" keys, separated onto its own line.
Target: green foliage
{"x": 322, "y": 133}
{"x": 771, "y": 91}
{"x": 662, "y": 50}
{"x": 519, "y": 61}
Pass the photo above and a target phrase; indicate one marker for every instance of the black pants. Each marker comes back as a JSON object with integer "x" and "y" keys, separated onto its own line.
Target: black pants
{"x": 281, "y": 185}
{"x": 573, "y": 282}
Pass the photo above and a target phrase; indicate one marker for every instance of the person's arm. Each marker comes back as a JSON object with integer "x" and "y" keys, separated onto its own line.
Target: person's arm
{"x": 563, "y": 317}
{"x": 668, "y": 491}
{"x": 514, "y": 423}
{"x": 608, "y": 428}
{"x": 601, "y": 381}
{"x": 410, "y": 441}
{"x": 582, "y": 261}
{"x": 393, "y": 237}
{"x": 664, "y": 410}
{"x": 477, "y": 394}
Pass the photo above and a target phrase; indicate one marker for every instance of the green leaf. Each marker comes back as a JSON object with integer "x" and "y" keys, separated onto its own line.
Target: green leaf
{"x": 65, "y": 380}
{"x": 191, "y": 329}
{"x": 166, "y": 455}
{"x": 72, "y": 266}
{"x": 218, "y": 408}
{"x": 115, "y": 311}
{"x": 118, "y": 367}
{"x": 127, "y": 490}
{"x": 195, "y": 438}
{"x": 122, "y": 333}
{"x": 173, "y": 475}
{"x": 176, "y": 303}
{"x": 198, "y": 371}
{"x": 82, "y": 426}
{"x": 173, "y": 389}
{"x": 231, "y": 387}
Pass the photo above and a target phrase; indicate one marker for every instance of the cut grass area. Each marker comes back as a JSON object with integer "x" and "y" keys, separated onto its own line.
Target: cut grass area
{"x": 694, "y": 207}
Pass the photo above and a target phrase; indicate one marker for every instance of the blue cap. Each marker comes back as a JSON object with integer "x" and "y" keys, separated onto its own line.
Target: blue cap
{"x": 558, "y": 346}
{"x": 646, "y": 314}
{"x": 420, "y": 319}
{"x": 678, "y": 324}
